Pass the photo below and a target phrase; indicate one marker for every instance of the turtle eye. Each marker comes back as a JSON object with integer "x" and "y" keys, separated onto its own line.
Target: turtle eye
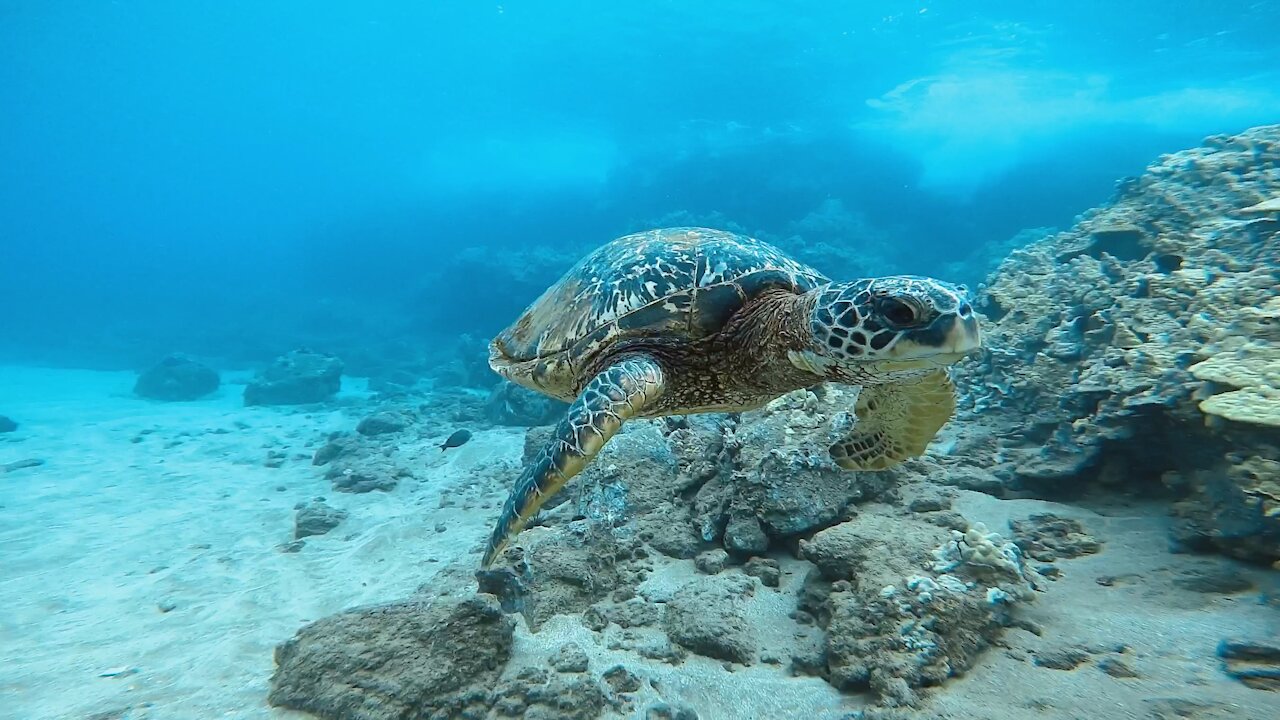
{"x": 898, "y": 312}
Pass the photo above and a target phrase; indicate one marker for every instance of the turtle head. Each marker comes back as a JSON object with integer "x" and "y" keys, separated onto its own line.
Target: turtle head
{"x": 871, "y": 331}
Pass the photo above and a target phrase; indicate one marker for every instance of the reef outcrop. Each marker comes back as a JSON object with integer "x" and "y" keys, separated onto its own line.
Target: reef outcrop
{"x": 299, "y": 377}
{"x": 1140, "y": 350}
{"x": 1133, "y": 354}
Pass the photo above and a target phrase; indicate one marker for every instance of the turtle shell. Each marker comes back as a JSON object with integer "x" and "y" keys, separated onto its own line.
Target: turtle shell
{"x": 672, "y": 283}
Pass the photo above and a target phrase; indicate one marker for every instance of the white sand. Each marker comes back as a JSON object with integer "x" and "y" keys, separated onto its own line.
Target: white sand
{"x": 96, "y": 539}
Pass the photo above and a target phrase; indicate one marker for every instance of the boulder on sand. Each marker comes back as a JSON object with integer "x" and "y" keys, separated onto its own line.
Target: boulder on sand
{"x": 296, "y": 378}
{"x": 177, "y": 377}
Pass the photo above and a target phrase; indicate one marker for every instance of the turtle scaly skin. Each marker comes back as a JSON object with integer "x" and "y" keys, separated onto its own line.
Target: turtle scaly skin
{"x": 692, "y": 320}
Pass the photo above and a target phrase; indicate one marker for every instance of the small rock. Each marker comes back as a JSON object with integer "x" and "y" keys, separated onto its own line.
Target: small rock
{"x": 21, "y": 465}
{"x": 975, "y": 481}
{"x": 931, "y": 502}
{"x": 764, "y": 568}
{"x": 569, "y": 658}
{"x": 316, "y": 518}
{"x": 665, "y": 711}
{"x": 745, "y": 536}
{"x": 949, "y": 519}
{"x": 382, "y": 423}
{"x": 7, "y": 425}
{"x": 293, "y": 547}
{"x": 441, "y": 527}
{"x": 1214, "y": 580}
{"x": 332, "y": 450}
{"x": 707, "y": 617}
{"x": 1183, "y": 709}
{"x": 363, "y": 479}
{"x": 1061, "y": 658}
{"x": 1256, "y": 664}
{"x": 120, "y": 713}
{"x": 621, "y": 679}
{"x": 1047, "y": 537}
{"x": 711, "y": 562}
{"x": 167, "y": 606}
{"x": 1117, "y": 668}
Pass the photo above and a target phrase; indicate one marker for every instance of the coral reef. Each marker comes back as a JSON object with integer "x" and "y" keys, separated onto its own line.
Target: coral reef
{"x": 1141, "y": 346}
{"x": 177, "y": 377}
{"x": 296, "y": 378}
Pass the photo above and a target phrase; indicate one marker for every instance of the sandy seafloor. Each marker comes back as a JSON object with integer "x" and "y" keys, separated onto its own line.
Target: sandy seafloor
{"x": 141, "y": 506}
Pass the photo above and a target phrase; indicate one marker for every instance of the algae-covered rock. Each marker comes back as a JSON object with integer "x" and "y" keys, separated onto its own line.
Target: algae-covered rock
{"x": 706, "y": 616}
{"x": 906, "y": 612}
{"x": 316, "y": 518}
{"x": 409, "y": 659}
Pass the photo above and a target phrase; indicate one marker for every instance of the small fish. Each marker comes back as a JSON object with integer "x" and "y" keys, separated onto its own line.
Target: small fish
{"x": 456, "y": 439}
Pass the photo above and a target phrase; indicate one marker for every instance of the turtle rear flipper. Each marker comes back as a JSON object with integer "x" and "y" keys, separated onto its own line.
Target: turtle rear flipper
{"x": 622, "y": 391}
{"x": 896, "y": 421}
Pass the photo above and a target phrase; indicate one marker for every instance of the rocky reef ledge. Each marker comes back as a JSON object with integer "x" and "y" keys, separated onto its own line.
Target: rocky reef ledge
{"x": 1139, "y": 351}
{"x": 1133, "y": 361}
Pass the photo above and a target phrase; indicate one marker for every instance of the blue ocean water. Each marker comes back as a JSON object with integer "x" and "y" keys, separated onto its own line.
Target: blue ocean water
{"x": 229, "y": 177}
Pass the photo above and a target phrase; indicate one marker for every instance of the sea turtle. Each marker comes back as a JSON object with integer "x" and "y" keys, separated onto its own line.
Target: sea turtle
{"x": 691, "y": 320}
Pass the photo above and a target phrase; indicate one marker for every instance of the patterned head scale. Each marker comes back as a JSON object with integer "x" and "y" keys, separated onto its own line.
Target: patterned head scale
{"x": 891, "y": 325}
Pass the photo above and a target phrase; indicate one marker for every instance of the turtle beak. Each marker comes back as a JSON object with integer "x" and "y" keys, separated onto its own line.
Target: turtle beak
{"x": 964, "y": 336}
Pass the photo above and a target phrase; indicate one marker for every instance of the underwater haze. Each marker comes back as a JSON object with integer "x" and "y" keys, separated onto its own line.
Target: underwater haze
{"x": 230, "y": 178}
{"x": 667, "y": 360}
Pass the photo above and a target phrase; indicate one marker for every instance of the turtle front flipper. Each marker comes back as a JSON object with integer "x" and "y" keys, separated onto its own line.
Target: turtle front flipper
{"x": 622, "y": 391}
{"x": 896, "y": 421}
